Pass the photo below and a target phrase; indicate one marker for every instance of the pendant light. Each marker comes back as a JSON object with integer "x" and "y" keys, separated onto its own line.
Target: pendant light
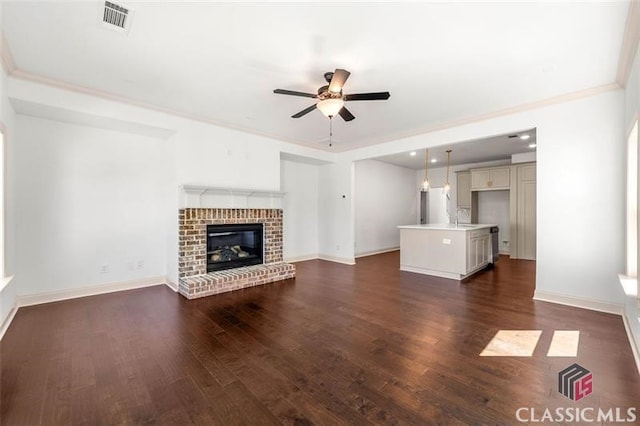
{"x": 425, "y": 182}
{"x": 447, "y": 187}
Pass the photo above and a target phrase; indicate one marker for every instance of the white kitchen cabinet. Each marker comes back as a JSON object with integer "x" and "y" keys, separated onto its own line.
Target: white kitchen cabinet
{"x": 463, "y": 189}
{"x": 523, "y": 212}
{"x": 478, "y": 249}
{"x": 491, "y": 178}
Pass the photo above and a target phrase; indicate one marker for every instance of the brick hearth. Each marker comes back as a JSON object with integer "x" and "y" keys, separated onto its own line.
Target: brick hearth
{"x": 194, "y": 281}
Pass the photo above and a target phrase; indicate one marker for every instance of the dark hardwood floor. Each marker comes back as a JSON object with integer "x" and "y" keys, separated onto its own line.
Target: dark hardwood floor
{"x": 364, "y": 344}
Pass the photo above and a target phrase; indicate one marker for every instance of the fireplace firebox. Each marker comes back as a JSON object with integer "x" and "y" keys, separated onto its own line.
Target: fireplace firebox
{"x": 234, "y": 245}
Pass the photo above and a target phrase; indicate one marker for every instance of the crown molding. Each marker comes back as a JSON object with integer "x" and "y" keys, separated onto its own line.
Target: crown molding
{"x": 17, "y": 73}
{"x": 6, "y": 58}
{"x": 83, "y": 90}
{"x": 13, "y": 71}
{"x": 555, "y": 100}
{"x": 629, "y": 43}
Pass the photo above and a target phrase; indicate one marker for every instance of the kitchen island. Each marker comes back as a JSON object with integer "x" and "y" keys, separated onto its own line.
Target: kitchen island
{"x": 445, "y": 250}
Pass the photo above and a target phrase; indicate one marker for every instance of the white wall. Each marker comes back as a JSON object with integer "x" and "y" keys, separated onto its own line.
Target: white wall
{"x": 89, "y": 197}
{"x": 581, "y": 155}
{"x": 385, "y": 196}
{"x": 171, "y": 214}
{"x": 632, "y": 113}
{"x": 8, "y": 294}
{"x": 214, "y": 156}
{"x": 300, "y": 210}
{"x": 336, "y": 237}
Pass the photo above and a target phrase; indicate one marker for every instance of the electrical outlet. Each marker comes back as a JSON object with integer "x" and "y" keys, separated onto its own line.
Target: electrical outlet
{"x": 140, "y": 264}
{"x": 446, "y": 241}
{"x": 104, "y": 268}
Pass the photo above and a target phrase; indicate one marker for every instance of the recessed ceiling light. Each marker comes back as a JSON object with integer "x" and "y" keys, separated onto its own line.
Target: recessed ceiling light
{"x": 525, "y": 137}
{"x": 532, "y": 145}
{"x": 434, "y": 160}
{"x": 412, "y": 153}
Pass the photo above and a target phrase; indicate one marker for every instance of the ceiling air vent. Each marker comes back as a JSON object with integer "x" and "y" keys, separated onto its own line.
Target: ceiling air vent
{"x": 115, "y": 15}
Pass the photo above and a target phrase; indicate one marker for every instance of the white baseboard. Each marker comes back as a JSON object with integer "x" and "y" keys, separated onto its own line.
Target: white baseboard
{"x": 5, "y": 282}
{"x": 373, "y": 253}
{"x": 54, "y": 296}
{"x": 345, "y": 260}
{"x": 7, "y": 321}
{"x": 295, "y": 259}
{"x": 634, "y": 341}
{"x": 579, "y": 302}
{"x": 173, "y": 286}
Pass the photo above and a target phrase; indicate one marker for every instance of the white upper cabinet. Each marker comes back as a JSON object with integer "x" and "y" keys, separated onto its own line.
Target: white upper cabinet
{"x": 490, "y": 178}
{"x": 463, "y": 189}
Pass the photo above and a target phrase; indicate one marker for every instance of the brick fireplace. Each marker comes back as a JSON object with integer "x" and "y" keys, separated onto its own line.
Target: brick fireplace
{"x": 194, "y": 281}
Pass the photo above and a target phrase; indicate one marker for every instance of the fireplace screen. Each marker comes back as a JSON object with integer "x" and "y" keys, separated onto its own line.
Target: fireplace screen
{"x": 233, "y": 246}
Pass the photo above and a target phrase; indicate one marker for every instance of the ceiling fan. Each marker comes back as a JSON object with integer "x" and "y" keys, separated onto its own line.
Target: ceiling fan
{"x": 330, "y": 97}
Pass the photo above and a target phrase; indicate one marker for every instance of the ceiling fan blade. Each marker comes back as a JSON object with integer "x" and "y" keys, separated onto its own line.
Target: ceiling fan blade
{"x": 346, "y": 114}
{"x": 339, "y": 77}
{"x": 304, "y": 111}
{"x": 374, "y": 96}
{"x": 294, "y": 93}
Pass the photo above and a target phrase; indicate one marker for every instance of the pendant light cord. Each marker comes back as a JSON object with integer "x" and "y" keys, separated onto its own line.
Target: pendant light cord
{"x": 426, "y": 165}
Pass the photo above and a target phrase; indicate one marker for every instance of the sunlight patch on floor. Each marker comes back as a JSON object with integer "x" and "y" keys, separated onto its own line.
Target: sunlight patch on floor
{"x": 512, "y": 343}
{"x": 564, "y": 343}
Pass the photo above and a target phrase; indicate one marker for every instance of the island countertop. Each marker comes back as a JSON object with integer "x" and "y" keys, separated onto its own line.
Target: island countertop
{"x": 450, "y": 226}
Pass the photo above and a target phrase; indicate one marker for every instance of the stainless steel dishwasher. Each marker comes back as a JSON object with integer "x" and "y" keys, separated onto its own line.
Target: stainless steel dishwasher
{"x": 495, "y": 250}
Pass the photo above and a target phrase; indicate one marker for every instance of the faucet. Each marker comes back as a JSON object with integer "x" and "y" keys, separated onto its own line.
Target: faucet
{"x": 458, "y": 210}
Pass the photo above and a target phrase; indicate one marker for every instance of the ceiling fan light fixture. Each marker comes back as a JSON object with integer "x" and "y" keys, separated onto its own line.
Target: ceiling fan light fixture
{"x": 330, "y": 107}
{"x": 330, "y": 98}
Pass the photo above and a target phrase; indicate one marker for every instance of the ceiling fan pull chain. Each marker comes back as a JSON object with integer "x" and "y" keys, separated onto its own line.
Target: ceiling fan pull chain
{"x": 330, "y": 131}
